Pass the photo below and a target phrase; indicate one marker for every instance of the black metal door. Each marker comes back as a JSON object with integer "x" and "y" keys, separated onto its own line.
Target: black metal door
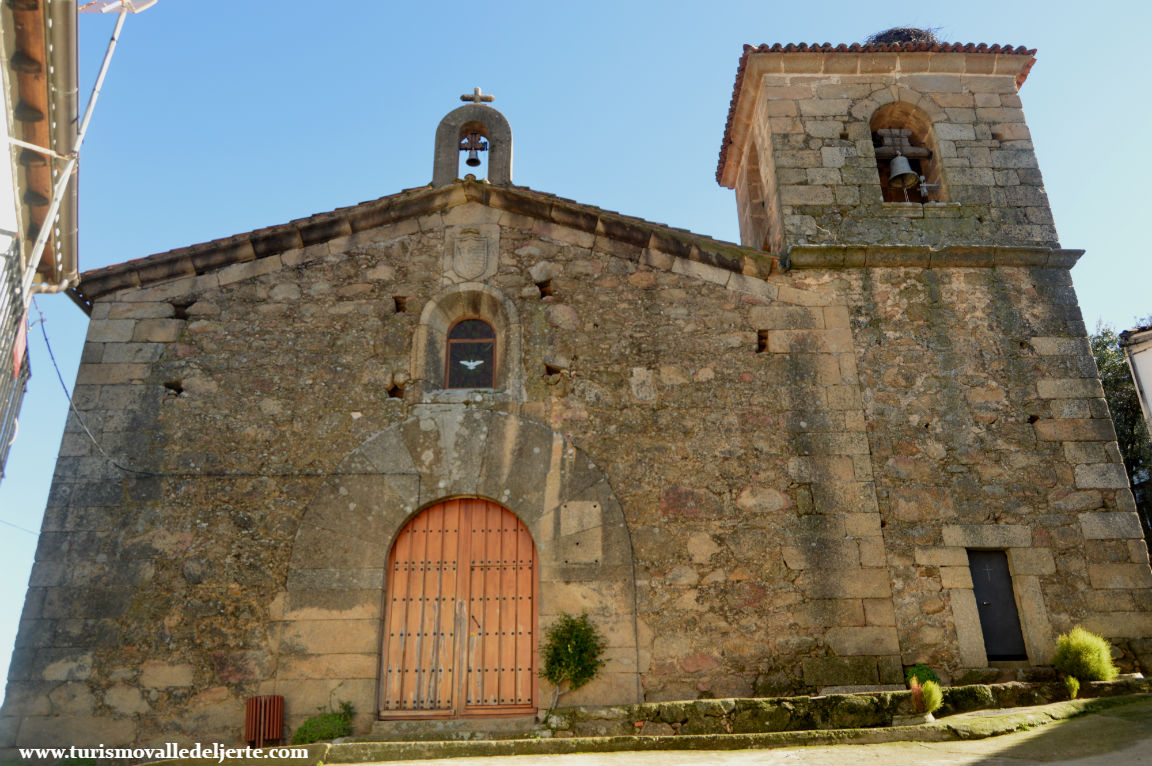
{"x": 998, "y": 617}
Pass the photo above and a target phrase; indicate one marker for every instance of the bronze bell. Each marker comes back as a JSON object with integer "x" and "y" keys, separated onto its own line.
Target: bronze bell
{"x": 901, "y": 175}
{"x": 474, "y": 144}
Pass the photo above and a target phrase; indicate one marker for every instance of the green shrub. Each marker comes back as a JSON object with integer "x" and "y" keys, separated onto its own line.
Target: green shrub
{"x": 1073, "y": 686}
{"x": 932, "y": 695}
{"x": 325, "y": 726}
{"x": 1084, "y": 656}
{"x": 571, "y": 653}
{"x": 921, "y": 673}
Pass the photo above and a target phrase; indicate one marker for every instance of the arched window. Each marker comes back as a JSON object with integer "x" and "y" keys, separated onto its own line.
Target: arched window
{"x": 471, "y": 355}
{"x": 468, "y": 322}
{"x": 900, "y": 130}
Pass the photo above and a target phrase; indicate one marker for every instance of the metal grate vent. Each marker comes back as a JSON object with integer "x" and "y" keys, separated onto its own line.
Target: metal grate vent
{"x": 264, "y": 720}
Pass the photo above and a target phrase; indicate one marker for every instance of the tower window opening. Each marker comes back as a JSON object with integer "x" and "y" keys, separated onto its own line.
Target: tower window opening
{"x": 905, "y": 157}
{"x": 899, "y": 164}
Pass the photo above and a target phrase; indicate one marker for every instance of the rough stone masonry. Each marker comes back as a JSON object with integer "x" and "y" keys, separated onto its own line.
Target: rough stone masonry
{"x": 760, "y": 468}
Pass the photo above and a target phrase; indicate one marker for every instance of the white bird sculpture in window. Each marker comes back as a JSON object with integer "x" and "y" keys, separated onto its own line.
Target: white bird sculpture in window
{"x": 471, "y": 364}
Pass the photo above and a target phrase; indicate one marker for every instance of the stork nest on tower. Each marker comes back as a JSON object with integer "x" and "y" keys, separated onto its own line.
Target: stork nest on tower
{"x": 904, "y": 35}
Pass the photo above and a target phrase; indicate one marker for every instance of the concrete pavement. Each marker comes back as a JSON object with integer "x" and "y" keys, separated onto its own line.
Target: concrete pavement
{"x": 1116, "y": 736}
{"x": 1094, "y": 732}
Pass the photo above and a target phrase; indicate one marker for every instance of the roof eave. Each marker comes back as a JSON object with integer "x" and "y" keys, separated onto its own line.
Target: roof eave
{"x": 64, "y": 85}
{"x": 634, "y": 234}
{"x": 47, "y": 33}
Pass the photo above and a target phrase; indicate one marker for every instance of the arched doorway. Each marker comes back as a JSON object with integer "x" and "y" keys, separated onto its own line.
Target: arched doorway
{"x": 460, "y": 614}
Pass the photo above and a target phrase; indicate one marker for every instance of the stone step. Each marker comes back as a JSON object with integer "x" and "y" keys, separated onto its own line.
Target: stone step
{"x": 502, "y": 727}
{"x": 862, "y": 689}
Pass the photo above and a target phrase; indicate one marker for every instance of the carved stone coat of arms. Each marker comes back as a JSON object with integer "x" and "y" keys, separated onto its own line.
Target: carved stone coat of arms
{"x": 471, "y": 253}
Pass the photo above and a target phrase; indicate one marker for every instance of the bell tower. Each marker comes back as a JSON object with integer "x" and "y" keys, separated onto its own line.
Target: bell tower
{"x": 895, "y": 143}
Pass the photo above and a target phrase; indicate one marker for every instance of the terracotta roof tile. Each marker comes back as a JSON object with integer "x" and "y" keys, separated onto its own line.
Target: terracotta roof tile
{"x": 1018, "y": 50}
{"x": 1127, "y": 334}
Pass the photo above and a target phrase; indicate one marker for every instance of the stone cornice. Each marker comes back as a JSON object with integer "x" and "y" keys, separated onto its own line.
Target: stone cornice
{"x": 414, "y": 203}
{"x": 971, "y": 256}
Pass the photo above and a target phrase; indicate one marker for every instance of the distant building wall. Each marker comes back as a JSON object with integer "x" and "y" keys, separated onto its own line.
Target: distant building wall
{"x": 1137, "y": 345}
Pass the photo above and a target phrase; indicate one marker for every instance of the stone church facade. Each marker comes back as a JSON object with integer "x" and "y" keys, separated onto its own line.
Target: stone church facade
{"x": 370, "y": 455}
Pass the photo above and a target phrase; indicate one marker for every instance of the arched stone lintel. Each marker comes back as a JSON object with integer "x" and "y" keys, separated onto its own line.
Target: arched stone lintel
{"x": 453, "y": 128}
{"x": 904, "y": 115}
{"x": 337, "y": 570}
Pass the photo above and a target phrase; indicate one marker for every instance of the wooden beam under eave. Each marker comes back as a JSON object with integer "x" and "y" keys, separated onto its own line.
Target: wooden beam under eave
{"x": 28, "y": 71}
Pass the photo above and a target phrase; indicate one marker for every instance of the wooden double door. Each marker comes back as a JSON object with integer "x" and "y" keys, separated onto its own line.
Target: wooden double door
{"x": 460, "y": 614}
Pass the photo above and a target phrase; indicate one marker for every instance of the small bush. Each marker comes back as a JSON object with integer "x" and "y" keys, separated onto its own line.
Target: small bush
{"x": 1073, "y": 686}
{"x": 571, "y": 653}
{"x": 921, "y": 673}
{"x": 933, "y": 696}
{"x": 1084, "y": 656}
{"x": 326, "y": 726}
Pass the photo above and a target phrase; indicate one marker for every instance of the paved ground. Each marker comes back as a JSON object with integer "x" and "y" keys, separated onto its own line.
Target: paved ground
{"x": 1115, "y": 737}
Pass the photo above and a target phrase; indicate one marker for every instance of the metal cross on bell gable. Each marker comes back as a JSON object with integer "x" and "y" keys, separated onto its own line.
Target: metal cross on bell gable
{"x": 476, "y": 97}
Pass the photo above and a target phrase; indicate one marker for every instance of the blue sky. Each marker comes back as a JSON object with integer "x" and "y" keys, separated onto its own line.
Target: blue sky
{"x": 219, "y": 118}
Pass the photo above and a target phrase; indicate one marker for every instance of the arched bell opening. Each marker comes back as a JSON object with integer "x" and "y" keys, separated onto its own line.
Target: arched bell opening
{"x": 474, "y": 147}
{"x": 905, "y": 148}
{"x": 479, "y": 134}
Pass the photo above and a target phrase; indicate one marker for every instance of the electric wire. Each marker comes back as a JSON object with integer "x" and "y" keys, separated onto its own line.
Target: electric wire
{"x": 72, "y": 404}
{"x": 16, "y": 526}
